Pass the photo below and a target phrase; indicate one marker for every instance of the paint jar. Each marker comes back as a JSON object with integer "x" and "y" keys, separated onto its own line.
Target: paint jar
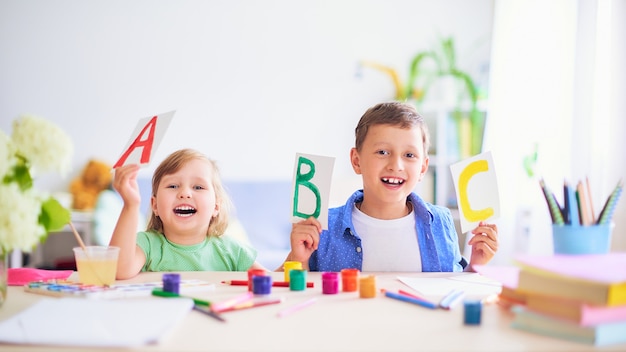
{"x": 252, "y": 273}
{"x": 367, "y": 287}
{"x": 349, "y": 280}
{"x": 472, "y": 312}
{"x": 297, "y": 280}
{"x": 289, "y": 265}
{"x": 261, "y": 284}
{"x": 171, "y": 283}
{"x": 330, "y": 283}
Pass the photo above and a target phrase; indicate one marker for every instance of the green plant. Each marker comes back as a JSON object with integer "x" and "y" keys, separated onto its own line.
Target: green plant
{"x": 27, "y": 215}
{"x": 426, "y": 69}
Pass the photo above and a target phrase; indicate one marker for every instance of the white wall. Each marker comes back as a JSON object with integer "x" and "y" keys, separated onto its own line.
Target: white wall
{"x": 253, "y": 82}
{"x": 560, "y": 84}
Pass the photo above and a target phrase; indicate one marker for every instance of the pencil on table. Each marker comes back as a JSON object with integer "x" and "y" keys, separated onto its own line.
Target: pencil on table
{"x": 297, "y": 307}
{"x": 274, "y": 283}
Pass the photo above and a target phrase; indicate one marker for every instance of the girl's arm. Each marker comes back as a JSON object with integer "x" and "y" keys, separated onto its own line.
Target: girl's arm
{"x": 131, "y": 258}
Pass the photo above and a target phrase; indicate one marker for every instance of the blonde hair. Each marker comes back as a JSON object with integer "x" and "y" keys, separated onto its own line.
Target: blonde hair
{"x": 172, "y": 164}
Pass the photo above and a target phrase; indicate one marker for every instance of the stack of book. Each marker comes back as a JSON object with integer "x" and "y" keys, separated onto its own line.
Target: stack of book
{"x": 575, "y": 297}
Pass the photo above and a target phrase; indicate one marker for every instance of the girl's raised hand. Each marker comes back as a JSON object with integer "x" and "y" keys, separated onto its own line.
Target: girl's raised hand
{"x": 125, "y": 183}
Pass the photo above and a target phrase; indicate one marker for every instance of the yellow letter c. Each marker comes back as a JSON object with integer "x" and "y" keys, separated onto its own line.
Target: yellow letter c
{"x": 472, "y": 169}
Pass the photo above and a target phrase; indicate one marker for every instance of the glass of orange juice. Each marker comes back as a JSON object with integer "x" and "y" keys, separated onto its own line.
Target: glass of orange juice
{"x": 96, "y": 264}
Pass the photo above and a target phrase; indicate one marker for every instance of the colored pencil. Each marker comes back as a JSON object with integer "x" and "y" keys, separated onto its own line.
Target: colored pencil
{"x": 451, "y": 299}
{"x": 402, "y": 292}
{"x": 412, "y": 300}
{"x": 221, "y": 306}
{"x": 252, "y": 304}
{"x": 583, "y": 205}
{"x": 196, "y": 303}
{"x": 159, "y": 292}
{"x": 409, "y": 294}
{"x": 296, "y": 307}
{"x": 274, "y": 283}
{"x": 609, "y": 207}
{"x": 571, "y": 205}
{"x": 555, "y": 209}
{"x": 208, "y": 312}
{"x": 593, "y": 212}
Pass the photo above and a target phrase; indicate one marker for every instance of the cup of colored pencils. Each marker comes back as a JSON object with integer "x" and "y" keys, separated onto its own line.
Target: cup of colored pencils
{"x": 575, "y": 227}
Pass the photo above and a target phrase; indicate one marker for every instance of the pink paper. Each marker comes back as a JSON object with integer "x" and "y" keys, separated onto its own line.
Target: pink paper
{"x": 608, "y": 268}
{"x": 506, "y": 275}
{"x": 22, "y": 276}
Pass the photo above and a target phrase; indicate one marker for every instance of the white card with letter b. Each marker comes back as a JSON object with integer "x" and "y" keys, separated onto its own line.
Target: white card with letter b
{"x": 311, "y": 188}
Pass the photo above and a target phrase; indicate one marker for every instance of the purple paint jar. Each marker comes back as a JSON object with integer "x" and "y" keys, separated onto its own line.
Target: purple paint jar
{"x": 171, "y": 283}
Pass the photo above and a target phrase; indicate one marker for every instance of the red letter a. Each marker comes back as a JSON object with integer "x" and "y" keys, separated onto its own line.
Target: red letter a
{"x": 146, "y": 144}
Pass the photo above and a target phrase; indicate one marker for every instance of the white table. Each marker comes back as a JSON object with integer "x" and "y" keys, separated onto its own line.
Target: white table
{"x": 338, "y": 322}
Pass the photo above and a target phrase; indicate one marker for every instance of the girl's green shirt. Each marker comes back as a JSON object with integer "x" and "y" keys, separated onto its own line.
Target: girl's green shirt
{"x": 221, "y": 253}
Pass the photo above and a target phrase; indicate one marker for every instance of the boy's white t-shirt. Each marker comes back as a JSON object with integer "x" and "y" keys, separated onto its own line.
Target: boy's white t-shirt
{"x": 388, "y": 245}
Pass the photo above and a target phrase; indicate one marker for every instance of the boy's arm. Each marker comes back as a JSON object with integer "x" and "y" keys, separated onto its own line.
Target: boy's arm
{"x": 305, "y": 237}
{"x": 484, "y": 244}
{"x": 131, "y": 258}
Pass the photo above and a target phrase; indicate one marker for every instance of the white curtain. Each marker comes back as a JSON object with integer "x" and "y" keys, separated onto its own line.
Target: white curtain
{"x": 550, "y": 87}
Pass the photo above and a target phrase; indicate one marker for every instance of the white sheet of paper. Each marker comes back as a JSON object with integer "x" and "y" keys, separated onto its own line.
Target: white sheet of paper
{"x": 476, "y": 190}
{"x": 472, "y": 284}
{"x": 310, "y": 193}
{"x": 136, "y": 155}
{"x": 94, "y": 323}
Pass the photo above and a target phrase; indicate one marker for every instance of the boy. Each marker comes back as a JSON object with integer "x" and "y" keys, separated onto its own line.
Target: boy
{"x": 386, "y": 226}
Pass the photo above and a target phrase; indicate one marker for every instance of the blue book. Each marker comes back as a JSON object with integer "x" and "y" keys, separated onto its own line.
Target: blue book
{"x": 598, "y": 335}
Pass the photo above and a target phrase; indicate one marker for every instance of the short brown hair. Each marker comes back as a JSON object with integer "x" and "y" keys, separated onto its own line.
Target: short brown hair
{"x": 172, "y": 164}
{"x": 395, "y": 113}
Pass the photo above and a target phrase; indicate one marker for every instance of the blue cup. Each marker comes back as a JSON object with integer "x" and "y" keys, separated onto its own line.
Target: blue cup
{"x": 595, "y": 239}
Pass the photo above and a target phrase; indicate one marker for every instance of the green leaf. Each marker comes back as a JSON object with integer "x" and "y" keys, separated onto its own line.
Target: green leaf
{"x": 20, "y": 175}
{"x": 414, "y": 70}
{"x": 448, "y": 53}
{"x": 530, "y": 162}
{"x": 53, "y": 215}
{"x": 472, "y": 91}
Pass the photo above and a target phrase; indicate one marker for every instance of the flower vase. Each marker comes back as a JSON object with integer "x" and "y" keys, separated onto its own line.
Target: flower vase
{"x": 4, "y": 276}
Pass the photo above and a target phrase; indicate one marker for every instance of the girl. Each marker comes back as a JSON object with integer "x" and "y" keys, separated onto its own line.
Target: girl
{"x": 189, "y": 215}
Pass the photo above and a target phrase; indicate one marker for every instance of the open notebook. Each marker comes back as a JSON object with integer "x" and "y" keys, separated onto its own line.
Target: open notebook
{"x": 94, "y": 323}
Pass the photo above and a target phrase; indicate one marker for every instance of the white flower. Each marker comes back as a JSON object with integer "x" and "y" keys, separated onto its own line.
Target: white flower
{"x": 26, "y": 215}
{"x": 7, "y": 159}
{"x": 43, "y": 144}
{"x": 19, "y": 222}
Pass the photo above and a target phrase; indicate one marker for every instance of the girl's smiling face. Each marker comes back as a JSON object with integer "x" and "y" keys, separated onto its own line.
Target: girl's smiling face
{"x": 392, "y": 161}
{"x": 185, "y": 202}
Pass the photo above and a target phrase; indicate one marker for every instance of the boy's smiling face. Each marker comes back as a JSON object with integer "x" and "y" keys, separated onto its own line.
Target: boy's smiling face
{"x": 391, "y": 161}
